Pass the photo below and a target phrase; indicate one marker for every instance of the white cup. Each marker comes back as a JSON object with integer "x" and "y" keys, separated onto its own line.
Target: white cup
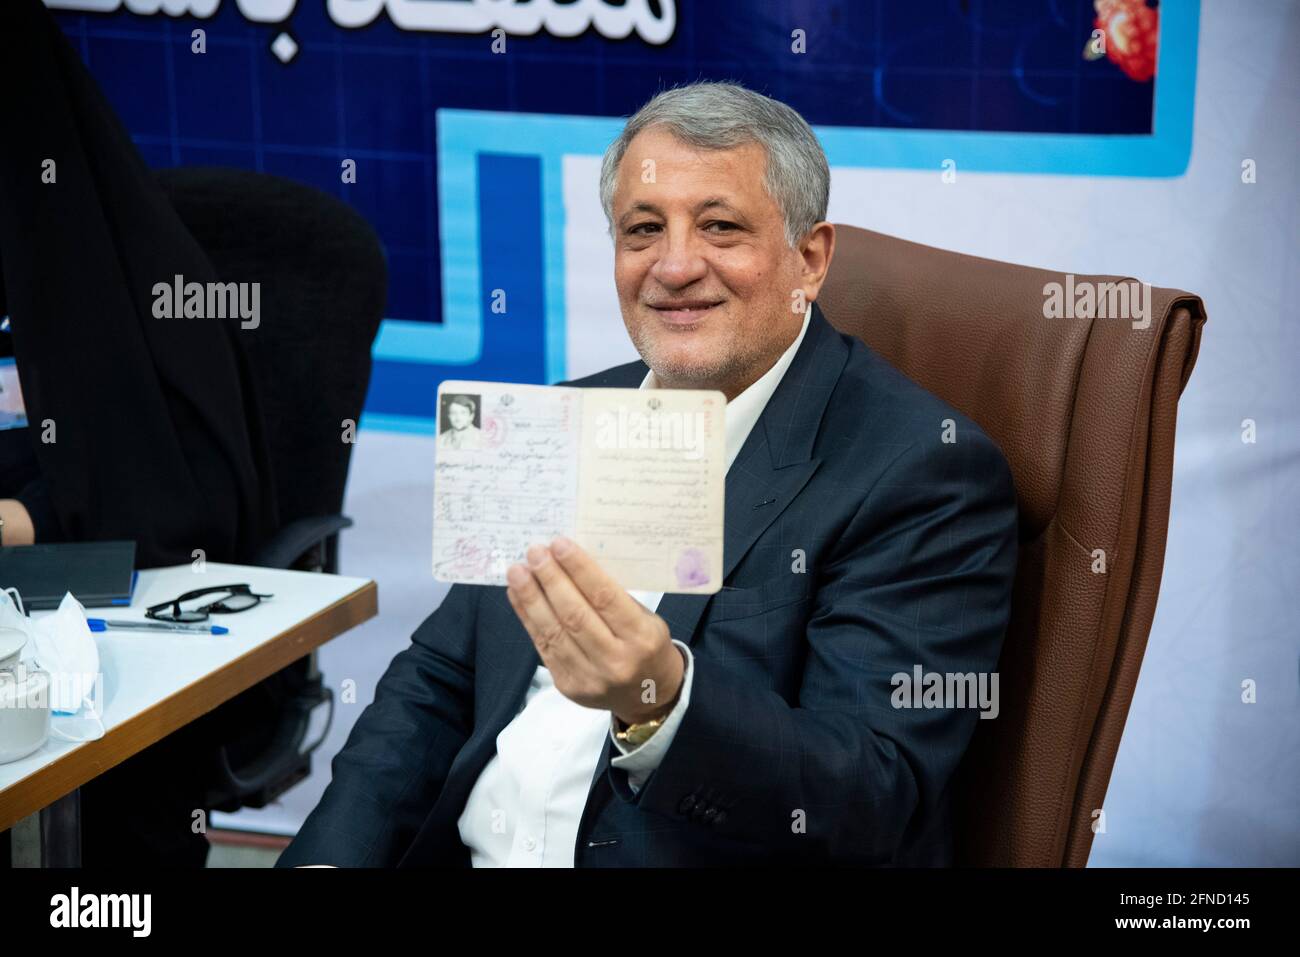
{"x": 24, "y": 710}
{"x": 12, "y": 641}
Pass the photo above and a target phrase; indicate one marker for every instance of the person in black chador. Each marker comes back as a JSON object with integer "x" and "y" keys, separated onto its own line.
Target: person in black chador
{"x": 140, "y": 428}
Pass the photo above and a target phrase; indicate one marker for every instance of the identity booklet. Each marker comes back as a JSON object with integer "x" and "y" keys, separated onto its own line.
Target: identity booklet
{"x": 634, "y": 476}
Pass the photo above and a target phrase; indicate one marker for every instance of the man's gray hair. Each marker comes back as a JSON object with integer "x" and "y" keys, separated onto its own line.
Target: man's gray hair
{"x": 719, "y": 116}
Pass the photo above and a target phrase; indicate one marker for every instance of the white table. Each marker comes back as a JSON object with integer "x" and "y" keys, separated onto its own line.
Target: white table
{"x": 155, "y": 683}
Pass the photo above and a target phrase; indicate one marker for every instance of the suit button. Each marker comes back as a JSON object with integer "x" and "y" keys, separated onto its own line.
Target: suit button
{"x": 687, "y": 804}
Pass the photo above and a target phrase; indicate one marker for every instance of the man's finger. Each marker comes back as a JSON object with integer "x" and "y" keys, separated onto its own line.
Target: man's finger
{"x": 622, "y": 614}
{"x": 557, "y": 649}
{"x": 571, "y": 608}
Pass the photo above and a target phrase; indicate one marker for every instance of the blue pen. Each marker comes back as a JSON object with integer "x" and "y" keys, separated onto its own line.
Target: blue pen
{"x": 101, "y": 624}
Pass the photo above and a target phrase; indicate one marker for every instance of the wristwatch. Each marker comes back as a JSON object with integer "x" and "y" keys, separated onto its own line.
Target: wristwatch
{"x": 639, "y": 732}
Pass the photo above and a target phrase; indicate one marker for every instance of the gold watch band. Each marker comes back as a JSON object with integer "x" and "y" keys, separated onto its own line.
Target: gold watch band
{"x": 638, "y": 732}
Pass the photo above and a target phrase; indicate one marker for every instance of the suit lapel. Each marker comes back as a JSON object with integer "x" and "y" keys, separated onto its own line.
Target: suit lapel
{"x": 775, "y": 462}
{"x": 771, "y": 468}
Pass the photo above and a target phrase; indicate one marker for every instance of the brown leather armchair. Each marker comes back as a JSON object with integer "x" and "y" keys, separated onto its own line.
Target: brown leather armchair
{"x": 1084, "y": 410}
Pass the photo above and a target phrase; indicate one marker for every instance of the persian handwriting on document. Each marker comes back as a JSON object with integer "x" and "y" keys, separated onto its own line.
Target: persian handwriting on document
{"x": 634, "y": 476}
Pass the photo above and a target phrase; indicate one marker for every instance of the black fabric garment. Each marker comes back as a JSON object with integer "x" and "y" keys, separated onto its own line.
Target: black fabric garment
{"x": 158, "y": 435}
{"x": 20, "y": 478}
{"x": 35, "y": 497}
{"x": 20, "y": 473}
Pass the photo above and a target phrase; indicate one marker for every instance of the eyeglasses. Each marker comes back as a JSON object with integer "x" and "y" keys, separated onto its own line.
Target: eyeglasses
{"x": 197, "y": 605}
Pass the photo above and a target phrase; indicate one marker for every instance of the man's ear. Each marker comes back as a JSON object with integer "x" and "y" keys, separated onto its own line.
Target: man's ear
{"x": 816, "y": 251}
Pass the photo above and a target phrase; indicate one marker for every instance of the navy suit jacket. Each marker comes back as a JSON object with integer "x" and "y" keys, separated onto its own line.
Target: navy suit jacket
{"x": 861, "y": 541}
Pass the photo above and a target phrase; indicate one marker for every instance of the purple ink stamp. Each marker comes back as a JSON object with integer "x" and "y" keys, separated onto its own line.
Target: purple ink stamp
{"x": 692, "y": 568}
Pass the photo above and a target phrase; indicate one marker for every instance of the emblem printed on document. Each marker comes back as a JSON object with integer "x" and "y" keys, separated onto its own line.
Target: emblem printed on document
{"x": 634, "y": 476}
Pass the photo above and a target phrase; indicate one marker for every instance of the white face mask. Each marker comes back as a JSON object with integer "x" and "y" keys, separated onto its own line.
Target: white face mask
{"x": 63, "y": 646}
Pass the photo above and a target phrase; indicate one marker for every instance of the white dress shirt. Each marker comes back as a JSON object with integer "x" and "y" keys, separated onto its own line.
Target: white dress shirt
{"x": 525, "y": 807}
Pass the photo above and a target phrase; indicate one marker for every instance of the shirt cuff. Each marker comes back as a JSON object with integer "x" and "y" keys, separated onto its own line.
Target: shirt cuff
{"x": 639, "y": 761}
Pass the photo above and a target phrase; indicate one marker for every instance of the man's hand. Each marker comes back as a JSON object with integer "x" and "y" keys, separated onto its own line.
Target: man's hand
{"x": 602, "y": 647}
{"x": 18, "y": 528}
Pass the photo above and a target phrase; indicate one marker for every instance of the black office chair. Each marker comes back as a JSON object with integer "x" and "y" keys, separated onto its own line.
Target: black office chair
{"x": 323, "y": 290}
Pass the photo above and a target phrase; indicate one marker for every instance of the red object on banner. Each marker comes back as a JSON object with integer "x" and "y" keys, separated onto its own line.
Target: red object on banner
{"x": 1130, "y": 29}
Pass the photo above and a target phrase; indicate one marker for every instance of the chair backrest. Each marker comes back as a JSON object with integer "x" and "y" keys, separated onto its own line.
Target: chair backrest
{"x": 323, "y": 286}
{"x": 1084, "y": 410}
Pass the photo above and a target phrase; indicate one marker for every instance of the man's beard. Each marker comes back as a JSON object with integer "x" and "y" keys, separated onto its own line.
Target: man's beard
{"x": 708, "y": 372}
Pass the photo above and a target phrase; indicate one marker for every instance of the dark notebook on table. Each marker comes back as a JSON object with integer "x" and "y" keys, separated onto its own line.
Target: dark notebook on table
{"x": 97, "y": 573}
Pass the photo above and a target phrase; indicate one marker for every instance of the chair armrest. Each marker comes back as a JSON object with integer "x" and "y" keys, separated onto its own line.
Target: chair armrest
{"x": 290, "y": 542}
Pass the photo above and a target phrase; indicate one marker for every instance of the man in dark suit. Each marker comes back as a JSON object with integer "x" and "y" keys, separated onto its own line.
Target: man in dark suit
{"x": 870, "y": 540}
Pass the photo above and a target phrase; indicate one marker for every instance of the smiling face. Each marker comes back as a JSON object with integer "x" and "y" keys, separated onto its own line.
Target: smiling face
{"x": 705, "y": 278}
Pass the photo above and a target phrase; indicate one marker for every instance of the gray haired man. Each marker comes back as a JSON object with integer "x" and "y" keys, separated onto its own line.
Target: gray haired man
{"x": 858, "y": 546}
